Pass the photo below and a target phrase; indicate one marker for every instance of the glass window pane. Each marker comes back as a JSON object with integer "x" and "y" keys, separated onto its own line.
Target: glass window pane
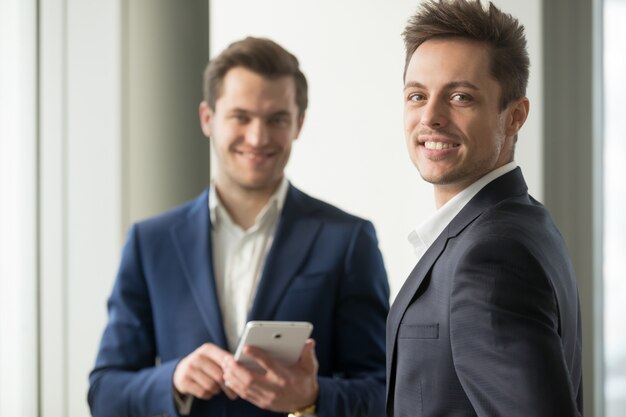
{"x": 18, "y": 173}
{"x": 614, "y": 207}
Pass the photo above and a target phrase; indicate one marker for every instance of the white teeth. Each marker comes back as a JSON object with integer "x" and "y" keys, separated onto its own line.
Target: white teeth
{"x": 438, "y": 145}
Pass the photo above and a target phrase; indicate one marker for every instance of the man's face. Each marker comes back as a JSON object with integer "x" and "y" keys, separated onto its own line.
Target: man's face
{"x": 252, "y": 127}
{"x": 455, "y": 131}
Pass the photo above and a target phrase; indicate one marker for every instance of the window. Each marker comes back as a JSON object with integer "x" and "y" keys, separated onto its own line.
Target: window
{"x": 18, "y": 224}
{"x": 614, "y": 207}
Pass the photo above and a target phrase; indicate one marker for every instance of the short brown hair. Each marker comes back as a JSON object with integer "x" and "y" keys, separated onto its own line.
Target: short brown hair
{"x": 262, "y": 56}
{"x": 470, "y": 20}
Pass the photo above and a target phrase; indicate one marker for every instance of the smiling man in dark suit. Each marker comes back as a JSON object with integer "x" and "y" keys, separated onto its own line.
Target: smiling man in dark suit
{"x": 251, "y": 247}
{"x": 487, "y": 324}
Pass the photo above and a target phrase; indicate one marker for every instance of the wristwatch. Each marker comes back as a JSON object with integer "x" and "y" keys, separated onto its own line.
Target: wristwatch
{"x": 304, "y": 412}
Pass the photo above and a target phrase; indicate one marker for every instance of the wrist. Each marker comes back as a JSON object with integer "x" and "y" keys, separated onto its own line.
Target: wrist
{"x": 308, "y": 411}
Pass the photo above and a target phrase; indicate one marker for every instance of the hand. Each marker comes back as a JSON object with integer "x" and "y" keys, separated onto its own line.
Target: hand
{"x": 200, "y": 373}
{"x": 281, "y": 388}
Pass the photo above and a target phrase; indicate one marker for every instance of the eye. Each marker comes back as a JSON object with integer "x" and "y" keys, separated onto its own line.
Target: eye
{"x": 417, "y": 97}
{"x": 461, "y": 98}
{"x": 240, "y": 118}
{"x": 279, "y": 121}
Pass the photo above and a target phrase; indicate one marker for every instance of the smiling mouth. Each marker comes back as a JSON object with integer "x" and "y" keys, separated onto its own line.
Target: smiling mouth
{"x": 254, "y": 155}
{"x": 440, "y": 145}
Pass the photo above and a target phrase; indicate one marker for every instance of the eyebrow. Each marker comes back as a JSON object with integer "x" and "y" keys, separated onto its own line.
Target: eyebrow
{"x": 281, "y": 113}
{"x": 448, "y": 86}
{"x": 239, "y": 110}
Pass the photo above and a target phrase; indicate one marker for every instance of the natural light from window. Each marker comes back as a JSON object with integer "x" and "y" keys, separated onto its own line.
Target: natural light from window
{"x": 18, "y": 264}
{"x": 614, "y": 207}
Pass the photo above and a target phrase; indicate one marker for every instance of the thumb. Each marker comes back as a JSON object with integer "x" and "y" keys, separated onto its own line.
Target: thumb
{"x": 308, "y": 359}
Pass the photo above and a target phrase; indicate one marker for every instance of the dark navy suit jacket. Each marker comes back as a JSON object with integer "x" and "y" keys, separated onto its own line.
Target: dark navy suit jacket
{"x": 488, "y": 322}
{"x": 324, "y": 267}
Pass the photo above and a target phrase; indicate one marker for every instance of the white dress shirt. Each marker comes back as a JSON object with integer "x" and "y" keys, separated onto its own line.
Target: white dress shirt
{"x": 425, "y": 234}
{"x": 239, "y": 256}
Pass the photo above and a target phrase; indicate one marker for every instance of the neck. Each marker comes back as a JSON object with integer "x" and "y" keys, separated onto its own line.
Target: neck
{"x": 444, "y": 193}
{"x": 244, "y": 204}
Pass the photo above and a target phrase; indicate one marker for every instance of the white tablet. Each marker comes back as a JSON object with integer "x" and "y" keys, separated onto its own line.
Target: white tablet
{"x": 282, "y": 340}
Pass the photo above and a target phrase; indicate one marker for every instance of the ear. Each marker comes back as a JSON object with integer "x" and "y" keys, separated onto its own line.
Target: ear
{"x": 518, "y": 112}
{"x": 206, "y": 115}
{"x": 299, "y": 125}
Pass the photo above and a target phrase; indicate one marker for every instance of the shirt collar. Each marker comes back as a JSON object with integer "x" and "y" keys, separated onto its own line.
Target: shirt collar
{"x": 217, "y": 211}
{"x": 426, "y": 233}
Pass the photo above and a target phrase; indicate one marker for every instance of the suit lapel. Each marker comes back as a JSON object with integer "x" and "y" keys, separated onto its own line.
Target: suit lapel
{"x": 295, "y": 233}
{"x": 508, "y": 185}
{"x": 405, "y": 297}
{"x": 192, "y": 239}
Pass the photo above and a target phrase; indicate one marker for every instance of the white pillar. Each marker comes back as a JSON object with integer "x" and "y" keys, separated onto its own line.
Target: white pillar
{"x": 18, "y": 209}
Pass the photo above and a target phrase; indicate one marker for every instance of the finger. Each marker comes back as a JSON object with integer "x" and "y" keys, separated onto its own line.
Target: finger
{"x": 202, "y": 361}
{"x": 223, "y": 368}
{"x": 264, "y": 360}
{"x": 308, "y": 359}
{"x": 228, "y": 377}
{"x": 247, "y": 391}
{"x": 217, "y": 356}
{"x": 180, "y": 376}
{"x": 198, "y": 383}
{"x": 201, "y": 368}
{"x": 203, "y": 375}
{"x": 258, "y": 399}
{"x": 241, "y": 379}
{"x": 210, "y": 359}
{"x": 234, "y": 370}
{"x": 232, "y": 395}
{"x": 215, "y": 353}
{"x": 200, "y": 391}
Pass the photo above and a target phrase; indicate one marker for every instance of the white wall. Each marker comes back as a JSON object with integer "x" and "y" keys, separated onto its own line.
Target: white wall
{"x": 351, "y": 151}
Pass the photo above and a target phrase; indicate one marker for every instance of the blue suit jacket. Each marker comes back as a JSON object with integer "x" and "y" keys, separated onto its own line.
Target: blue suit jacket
{"x": 324, "y": 267}
{"x": 488, "y": 322}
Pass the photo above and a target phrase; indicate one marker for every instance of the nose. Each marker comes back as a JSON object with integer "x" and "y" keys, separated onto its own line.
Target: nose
{"x": 434, "y": 113}
{"x": 257, "y": 133}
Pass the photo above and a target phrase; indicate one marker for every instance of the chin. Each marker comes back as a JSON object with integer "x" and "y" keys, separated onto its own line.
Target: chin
{"x": 429, "y": 179}
{"x": 435, "y": 178}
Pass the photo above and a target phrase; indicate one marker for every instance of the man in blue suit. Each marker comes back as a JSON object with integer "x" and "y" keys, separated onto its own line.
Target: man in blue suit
{"x": 251, "y": 247}
{"x": 488, "y": 322}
